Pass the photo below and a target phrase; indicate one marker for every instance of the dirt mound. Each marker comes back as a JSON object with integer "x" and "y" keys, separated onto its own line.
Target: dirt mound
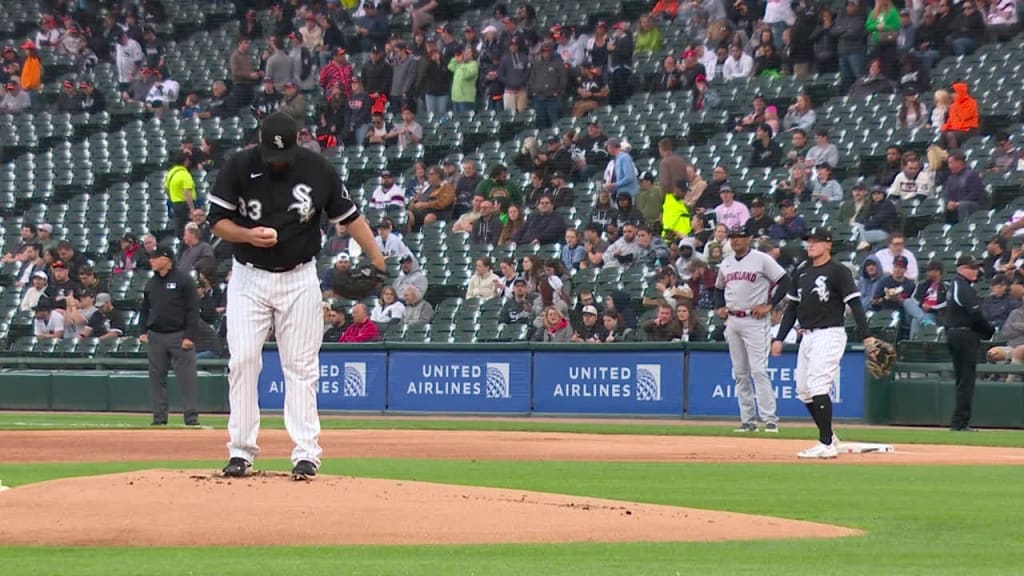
{"x": 199, "y": 508}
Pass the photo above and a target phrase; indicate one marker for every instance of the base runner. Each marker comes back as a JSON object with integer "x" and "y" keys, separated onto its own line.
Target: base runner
{"x": 742, "y": 289}
{"x": 819, "y": 297}
{"x": 268, "y": 201}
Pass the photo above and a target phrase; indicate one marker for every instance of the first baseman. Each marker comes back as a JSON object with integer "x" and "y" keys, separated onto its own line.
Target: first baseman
{"x": 744, "y": 282}
{"x": 818, "y": 299}
{"x": 268, "y": 201}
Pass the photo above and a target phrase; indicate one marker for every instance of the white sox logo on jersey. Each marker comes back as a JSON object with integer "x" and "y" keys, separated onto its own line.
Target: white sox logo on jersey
{"x": 821, "y": 288}
{"x": 303, "y": 204}
{"x": 279, "y": 142}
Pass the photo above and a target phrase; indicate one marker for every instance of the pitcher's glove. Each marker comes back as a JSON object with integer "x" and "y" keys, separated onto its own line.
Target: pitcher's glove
{"x": 359, "y": 282}
{"x": 880, "y": 356}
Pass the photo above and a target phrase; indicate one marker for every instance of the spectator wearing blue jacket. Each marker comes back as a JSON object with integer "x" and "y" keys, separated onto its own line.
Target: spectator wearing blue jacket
{"x": 964, "y": 190}
{"x": 624, "y": 178}
{"x": 789, "y": 225}
{"x": 572, "y": 251}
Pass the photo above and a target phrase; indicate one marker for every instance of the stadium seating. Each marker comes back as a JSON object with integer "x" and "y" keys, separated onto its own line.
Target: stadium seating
{"x": 96, "y": 177}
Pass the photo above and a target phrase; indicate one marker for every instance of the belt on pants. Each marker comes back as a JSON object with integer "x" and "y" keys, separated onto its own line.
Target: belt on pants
{"x": 741, "y": 313}
{"x": 275, "y": 269}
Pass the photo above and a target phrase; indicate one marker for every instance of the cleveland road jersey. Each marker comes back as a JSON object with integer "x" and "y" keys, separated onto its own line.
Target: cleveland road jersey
{"x": 248, "y": 194}
{"x": 748, "y": 281}
{"x": 822, "y": 293}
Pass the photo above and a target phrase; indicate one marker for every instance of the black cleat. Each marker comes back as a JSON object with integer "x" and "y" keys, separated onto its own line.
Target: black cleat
{"x": 303, "y": 470}
{"x": 158, "y": 423}
{"x": 237, "y": 468}
{"x": 192, "y": 423}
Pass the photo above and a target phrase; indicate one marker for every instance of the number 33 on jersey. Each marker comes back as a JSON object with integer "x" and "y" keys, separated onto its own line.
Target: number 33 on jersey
{"x": 302, "y": 206}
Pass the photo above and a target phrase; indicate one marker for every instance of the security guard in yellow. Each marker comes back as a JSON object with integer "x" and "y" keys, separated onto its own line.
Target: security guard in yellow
{"x": 181, "y": 191}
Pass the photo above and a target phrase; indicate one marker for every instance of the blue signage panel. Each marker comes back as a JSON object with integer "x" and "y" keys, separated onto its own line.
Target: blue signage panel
{"x": 608, "y": 382}
{"x": 712, "y": 389}
{"x": 462, "y": 381}
{"x": 348, "y": 381}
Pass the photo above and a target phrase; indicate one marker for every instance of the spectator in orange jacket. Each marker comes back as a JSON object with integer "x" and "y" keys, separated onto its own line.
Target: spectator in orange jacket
{"x": 361, "y": 329}
{"x": 31, "y": 69}
{"x": 667, "y": 9}
{"x": 962, "y": 122}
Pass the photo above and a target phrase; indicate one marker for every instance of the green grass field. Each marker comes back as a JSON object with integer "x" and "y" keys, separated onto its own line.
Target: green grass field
{"x": 920, "y": 520}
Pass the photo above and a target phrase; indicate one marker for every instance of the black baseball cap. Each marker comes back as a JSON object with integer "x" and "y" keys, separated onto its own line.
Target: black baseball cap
{"x": 44, "y": 305}
{"x": 162, "y": 252}
{"x": 820, "y": 233}
{"x": 385, "y": 223}
{"x": 900, "y": 261}
{"x": 757, "y": 202}
{"x": 936, "y": 265}
{"x": 1001, "y": 279}
{"x": 739, "y": 232}
{"x": 278, "y": 135}
{"x": 968, "y": 261}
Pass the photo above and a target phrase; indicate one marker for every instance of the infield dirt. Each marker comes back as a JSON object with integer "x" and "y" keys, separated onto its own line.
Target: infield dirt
{"x": 198, "y": 508}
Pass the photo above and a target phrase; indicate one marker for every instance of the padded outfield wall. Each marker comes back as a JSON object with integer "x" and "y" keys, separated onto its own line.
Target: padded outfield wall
{"x": 649, "y": 380}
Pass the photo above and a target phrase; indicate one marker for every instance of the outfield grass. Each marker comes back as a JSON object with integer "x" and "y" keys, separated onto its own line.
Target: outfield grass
{"x": 920, "y": 520}
{"x": 60, "y": 421}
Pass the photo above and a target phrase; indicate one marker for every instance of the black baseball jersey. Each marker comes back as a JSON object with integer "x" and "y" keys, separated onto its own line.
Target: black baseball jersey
{"x": 248, "y": 194}
{"x": 821, "y": 294}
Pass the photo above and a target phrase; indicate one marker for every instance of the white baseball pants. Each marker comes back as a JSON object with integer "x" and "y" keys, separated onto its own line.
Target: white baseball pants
{"x": 817, "y": 361}
{"x": 290, "y": 302}
{"x": 749, "y": 343}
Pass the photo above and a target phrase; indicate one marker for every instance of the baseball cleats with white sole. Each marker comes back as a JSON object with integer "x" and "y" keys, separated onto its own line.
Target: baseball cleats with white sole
{"x": 237, "y": 468}
{"x": 771, "y": 427}
{"x": 303, "y": 470}
{"x": 819, "y": 450}
{"x": 747, "y": 427}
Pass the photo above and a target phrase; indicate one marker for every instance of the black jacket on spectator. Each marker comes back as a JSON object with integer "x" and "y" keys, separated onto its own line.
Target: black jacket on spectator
{"x": 544, "y": 228}
{"x": 882, "y": 216}
{"x": 377, "y": 77}
{"x": 486, "y": 230}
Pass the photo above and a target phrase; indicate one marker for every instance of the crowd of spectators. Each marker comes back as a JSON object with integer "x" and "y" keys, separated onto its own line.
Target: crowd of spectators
{"x": 671, "y": 220}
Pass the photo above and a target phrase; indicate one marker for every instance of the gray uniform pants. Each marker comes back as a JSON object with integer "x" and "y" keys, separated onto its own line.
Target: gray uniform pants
{"x": 749, "y": 340}
{"x": 165, "y": 348}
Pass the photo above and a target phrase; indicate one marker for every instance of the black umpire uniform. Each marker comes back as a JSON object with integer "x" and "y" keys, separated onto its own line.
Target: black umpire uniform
{"x": 965, "y": 329}
{"x": 169, "y": 315}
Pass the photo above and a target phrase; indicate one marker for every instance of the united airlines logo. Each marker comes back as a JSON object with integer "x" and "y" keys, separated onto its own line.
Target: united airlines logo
{"x": 497, "y": 380}
{"x": 490, "y": 380}
{"x": 648, "y": 382}
{"x": 354, "y": 380}
{"x": 640, "y": 382}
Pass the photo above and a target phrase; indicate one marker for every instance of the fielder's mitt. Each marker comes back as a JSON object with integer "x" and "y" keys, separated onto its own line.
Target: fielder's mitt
{"x": 880, "y": 356}
{"x": 358, "y": 283}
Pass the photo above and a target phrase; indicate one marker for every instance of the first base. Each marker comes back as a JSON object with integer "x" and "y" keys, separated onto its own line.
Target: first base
{"x": 2, "y": 487}
{"x": 863, "y": 447}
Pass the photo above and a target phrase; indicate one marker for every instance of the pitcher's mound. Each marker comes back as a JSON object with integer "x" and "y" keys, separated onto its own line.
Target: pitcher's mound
{"x": 199, "y": 508}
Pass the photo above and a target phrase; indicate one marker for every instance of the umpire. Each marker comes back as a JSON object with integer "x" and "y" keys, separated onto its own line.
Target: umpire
{"x": 170, "y": 319}
{"x": 965, "y": 328}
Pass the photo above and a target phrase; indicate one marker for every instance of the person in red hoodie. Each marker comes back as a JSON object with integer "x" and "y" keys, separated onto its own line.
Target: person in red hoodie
{"x": 962, "y": 122}
{"x": 361, "y": 329}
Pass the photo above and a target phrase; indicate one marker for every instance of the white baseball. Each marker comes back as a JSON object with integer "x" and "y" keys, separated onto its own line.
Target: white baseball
{"x": 273, "y": 233}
